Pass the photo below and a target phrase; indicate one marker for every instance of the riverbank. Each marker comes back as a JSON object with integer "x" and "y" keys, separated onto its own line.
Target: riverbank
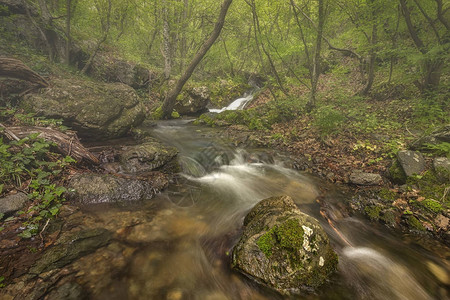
{"x": 348, "y": 140}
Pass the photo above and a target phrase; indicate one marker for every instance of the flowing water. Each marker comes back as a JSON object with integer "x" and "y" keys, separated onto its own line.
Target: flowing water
{"x": 237, "y": 104}
{"x": 184, "y": 250}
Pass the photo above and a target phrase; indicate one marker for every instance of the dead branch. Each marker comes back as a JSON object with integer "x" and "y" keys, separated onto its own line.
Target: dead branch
{"x": 66, "y": 144}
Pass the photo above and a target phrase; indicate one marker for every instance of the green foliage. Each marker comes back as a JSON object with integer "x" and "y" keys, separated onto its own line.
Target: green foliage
{"x": 175, "y": 115}
{"x": 31, "y": 160}
{"x": 157, "y": 114}
{"x": 328, "y": 119}
{"x": 2, "y": 284}
{"x": 441, "y": 149}
{"x": 432, "y": 205}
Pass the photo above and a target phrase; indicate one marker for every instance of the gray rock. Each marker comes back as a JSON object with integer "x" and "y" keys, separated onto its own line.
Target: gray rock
{"x": 68, "y": 291}
{"x": 95, "y": 110}
{"x": 71, "y": 247}
{"x": 411, "y": 162}
{"x": 12, "y": 203}
{"x": 438, "y": 136}
{"x": 147, "y": 157}
{"x": 441, "y": 166}
{"x": 94, "y": 188}
{"x": 362, "y": 178}
{"x": 283, "y": 248}
{"x": 193, "y": 101}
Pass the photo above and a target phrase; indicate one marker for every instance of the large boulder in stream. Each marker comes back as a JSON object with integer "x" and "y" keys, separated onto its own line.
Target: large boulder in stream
{"x": 192, "y": 101}
{"x": 93, "y": 109}
{"x": 149, "y": 156}
{"x": 283, "y": 248}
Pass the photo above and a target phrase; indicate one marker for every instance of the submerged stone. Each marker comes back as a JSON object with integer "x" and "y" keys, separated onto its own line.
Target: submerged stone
{"x": 147, "y": 157}
{"x": 94, "y": 188}
{"x": 283, "y": 248}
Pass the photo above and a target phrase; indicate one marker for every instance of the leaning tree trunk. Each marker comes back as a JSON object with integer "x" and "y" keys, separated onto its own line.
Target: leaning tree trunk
{"x": 169, "y": 101}
{"x": 14, "y": 68}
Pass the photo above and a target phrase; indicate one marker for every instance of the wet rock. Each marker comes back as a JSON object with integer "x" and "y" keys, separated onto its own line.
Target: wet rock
{"x": 283, "y": 248}
{"x": 193, "y": 101}
{"x": 71, "y": 247}
{"x": 438, "y": 136}
{"x": 361, "y": 178}
{"x": 94, "y": 188}
{"x": 12, "y": 203}
{"x": 95, "y": 110}
{"x": 68, "y": 291}
{"x": 411, "y": 162}
{"x": 441, "y": 166}
{"x": 147, "y": 157}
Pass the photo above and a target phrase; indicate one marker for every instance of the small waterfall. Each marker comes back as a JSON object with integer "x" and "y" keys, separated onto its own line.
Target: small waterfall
{"x": 237, "y": 104}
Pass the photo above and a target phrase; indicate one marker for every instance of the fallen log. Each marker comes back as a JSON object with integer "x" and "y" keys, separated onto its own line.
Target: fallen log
{"x": 14, "y": 68}
{"x": 66, "y": 144}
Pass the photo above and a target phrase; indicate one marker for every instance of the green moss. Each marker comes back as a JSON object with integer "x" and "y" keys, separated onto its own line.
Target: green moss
{"x": 157, "y": 114}
{"x": 266, "y": 242}
{"x": 415, "y": 223}
{"x": 175, "y": 115}
{"x": 388, "y": 217}
{"x": 205, "y": 119}
{"x": 373, "y": 212}
{"x": 386, "y": 195}
{"x": 290, "y": 234}
{"x": 396, "y": 173}
{"x": 432, "y": 205}
{"x": 287, "y": 236}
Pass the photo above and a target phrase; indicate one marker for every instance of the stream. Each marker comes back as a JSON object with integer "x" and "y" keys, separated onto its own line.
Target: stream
{"x": 181, "y": 249}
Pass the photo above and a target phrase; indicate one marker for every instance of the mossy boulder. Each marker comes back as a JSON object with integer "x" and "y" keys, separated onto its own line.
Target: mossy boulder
{"x": 192, "y": 101}
{"x": 94, "y": 110}
{"x": 283, "y": 248}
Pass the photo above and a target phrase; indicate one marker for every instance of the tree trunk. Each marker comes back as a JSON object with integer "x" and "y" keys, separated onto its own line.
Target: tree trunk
{"x": 169, "y": 101}
{"x": 68, "y": 36}
{"x": 316, "y": 60}
{"x": 105, "y": 27}
{"x": 431, "y": 68}
{"x": 373, "y": 50}
{"x": 13, "y": 68}
{"x": 166, "y": 41}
